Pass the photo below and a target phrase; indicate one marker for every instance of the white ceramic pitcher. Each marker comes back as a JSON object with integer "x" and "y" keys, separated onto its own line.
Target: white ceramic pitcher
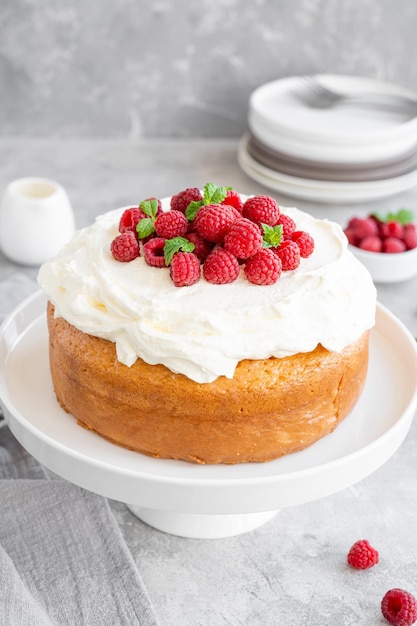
{"x": 36, "y": 220}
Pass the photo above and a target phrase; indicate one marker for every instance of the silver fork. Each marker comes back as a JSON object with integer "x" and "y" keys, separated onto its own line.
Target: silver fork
{"x": 314, "y": 94}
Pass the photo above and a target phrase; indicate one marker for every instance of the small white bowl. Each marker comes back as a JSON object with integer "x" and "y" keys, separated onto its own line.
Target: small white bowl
{"x": 388, "y": 267}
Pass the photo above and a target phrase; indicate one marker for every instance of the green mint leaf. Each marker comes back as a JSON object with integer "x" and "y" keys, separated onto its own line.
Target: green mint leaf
{"x": 145, "y": 227}
{"x": 214, "y": 194}
{"x": 219, "y": 195}
{"x": 209, "y": 190}
{"x": 175, "y": 245}
{"x": 150, "y": 207}
{"x": 272, "y": 236}
{"x": 192, "y": 209}
{"x": 402, "y": 216}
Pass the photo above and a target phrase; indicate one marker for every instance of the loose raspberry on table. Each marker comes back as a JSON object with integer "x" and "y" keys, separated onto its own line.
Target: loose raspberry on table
{"x": 261, "y": 210}
{"x": 289, "y": 253}
{"x": 362, "y": 555}
{"x": 287, "y": 223}
{"x": 130, "y": 218}
{"x": 171, "y": 224}
{"x": 264, "y": 268}
{"x": 233, "y": 199}
{"x": 181, "y": 200}
{"x": 214, "y": 220}
{"x": 392, "y": 245}
{"x": 184, "y": 269}
{"x": 399, "y": 607}
{"x": 153, "y": 252}
{"x": 202, "y": 247}
{"x": 125, "y": 247}
{"x": 243, "y": 239}
{"x": 221, "y": 267}
{"x": 304, "y": 241}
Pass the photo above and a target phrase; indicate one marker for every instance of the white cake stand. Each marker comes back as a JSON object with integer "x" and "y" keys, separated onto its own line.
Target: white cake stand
{"x": 201, "y": 500}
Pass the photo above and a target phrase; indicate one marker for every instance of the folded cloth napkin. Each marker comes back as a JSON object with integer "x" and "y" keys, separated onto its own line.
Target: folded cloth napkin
{"x": 63, "y": 560}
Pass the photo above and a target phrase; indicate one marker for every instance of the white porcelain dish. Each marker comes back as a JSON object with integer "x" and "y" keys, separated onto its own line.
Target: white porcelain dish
{"x": 388, "y": 268}
{"x": 345, "y": 134}
{"x": 197, "y": 500}
{"x": 322, "y": 191}
{"x": 40, "y": 210}
{"x": 317, "y": 170}
{"x": 321, "y": 151}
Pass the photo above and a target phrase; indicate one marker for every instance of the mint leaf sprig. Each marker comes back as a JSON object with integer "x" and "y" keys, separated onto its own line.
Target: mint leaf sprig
{"x": 272, "y": 236}
{"x": 176, "y": 244}
{"x": 212, "y": 195}
{"x": 146, "y": 226}
{"x": 402, "y": 216}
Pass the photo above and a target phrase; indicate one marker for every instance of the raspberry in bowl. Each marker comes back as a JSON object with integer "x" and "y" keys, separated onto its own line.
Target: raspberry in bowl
{"x": 386, "y": 245}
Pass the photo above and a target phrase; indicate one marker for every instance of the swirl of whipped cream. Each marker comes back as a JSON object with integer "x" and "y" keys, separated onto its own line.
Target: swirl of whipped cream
{"x": 204, "y": 330}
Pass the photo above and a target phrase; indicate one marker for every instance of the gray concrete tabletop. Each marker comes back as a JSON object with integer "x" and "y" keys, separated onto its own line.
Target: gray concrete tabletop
{"x": 293, "y": 569}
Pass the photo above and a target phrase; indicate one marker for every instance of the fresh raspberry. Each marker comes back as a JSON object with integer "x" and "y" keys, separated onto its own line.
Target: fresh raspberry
{"x": 233, "y": 199}
{"x": 261, "y": 210}
{"x": 171, "y": 224}
{"x": 153, "y": 252}
{"x": 125, "y": 247}
{"x": 287, "y": 223}
{"x": 202, "y": 247}
{"x": 221, "y": 267}
{"x": 372, "y": 243}
{"x": 410, "y": 236}
{"x": 352, "y": 223}
{"x": 130, "y": 218}
{"x": 399, "y": 607}
{"x": 184, "y": 269}
{"x": 391, "y": 229}
{"x": 264, "y": 268}
{"x": 214, "y": 220}
{"x": 352, "y": 236}
{"x": 304, "y": 241}
{"x": 243, "y": 239}
{"x": 289, "y": 253}
{"x": 363, "y": 227}
{"x": 181, "y": 200}
{"x": 362, "y": 555}
{"x": 393, "y": 245}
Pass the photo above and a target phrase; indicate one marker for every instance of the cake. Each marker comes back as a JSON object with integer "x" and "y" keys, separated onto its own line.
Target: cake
{"x": 233, "y": 369}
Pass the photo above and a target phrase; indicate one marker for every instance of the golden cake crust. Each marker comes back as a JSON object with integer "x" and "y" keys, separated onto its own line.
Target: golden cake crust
{"x": 270, "y": 408}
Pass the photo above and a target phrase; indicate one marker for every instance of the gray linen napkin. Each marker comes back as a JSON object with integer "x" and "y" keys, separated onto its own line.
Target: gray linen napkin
{"x": 63, "y": 560}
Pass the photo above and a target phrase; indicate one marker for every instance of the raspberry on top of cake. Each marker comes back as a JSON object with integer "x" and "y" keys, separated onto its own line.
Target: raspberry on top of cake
{"x": 207, "y": 278}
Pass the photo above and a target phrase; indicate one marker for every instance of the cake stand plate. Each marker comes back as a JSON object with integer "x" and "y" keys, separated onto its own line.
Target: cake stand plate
{"x": 205, "y": 500}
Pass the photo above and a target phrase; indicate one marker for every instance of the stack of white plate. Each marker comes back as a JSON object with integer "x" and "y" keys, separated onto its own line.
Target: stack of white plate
{"x": 340, "y": 154}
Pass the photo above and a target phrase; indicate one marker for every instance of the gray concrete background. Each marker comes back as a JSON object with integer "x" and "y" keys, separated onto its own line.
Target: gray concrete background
{"x": 160, "y": 68}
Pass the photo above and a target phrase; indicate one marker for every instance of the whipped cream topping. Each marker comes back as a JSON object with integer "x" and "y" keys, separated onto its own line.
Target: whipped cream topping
{"x": 204, "y": 330}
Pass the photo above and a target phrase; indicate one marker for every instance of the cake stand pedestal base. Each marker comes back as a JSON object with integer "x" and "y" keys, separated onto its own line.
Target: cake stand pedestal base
{"x": 196, "y": 526}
